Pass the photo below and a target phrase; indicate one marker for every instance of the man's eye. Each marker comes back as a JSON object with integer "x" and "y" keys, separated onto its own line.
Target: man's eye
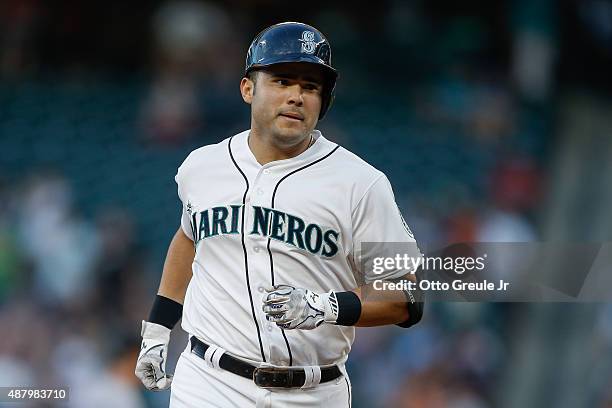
{"x": 283, "y": 82}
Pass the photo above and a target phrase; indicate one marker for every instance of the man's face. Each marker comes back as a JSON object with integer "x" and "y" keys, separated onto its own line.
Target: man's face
{"x": 285, "y": 100}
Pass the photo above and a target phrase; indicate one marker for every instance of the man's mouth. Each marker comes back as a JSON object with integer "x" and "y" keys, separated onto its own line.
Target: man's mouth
{"x": 292, "y": 116}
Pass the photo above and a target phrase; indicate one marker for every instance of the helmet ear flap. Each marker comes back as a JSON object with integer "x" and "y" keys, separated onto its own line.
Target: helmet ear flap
{"x": 327, "y": 96}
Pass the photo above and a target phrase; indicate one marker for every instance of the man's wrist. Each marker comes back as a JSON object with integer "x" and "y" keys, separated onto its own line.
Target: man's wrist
{"x": 166, "y": 312}
{"x": 348, "y": 307}
{"x": 155, "y": 331}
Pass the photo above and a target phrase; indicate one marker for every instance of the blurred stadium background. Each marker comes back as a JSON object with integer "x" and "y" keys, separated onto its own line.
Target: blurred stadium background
{"x": 492, "y": 119}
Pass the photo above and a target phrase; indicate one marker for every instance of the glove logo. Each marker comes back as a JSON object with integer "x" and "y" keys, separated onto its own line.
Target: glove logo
{"x": 308, "y": 44}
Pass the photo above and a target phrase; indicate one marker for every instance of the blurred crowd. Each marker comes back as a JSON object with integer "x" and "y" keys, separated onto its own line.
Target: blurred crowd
{"x": 72, "y": 289}
{"x": 460, "y": 104}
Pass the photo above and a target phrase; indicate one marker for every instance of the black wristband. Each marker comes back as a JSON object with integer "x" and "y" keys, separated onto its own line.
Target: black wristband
{"x": 416, "y": 301}
{"x": 349, "y": 308}
{"x": 165, "y": 311}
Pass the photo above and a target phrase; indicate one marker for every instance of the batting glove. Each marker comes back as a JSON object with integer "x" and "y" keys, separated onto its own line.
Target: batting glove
{"x": 151, "y": 363}
{"x": 294, "y": 308}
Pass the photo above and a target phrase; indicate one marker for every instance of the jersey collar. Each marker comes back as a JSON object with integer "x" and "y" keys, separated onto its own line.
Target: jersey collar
{"x": 319, "y": 148}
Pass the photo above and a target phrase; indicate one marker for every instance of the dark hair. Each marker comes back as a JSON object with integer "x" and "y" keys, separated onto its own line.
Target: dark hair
{"x": 253, "y": 77}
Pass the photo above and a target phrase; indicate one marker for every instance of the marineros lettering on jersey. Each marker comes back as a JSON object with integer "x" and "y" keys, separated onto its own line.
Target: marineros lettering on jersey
{"x": 267, "y": 222}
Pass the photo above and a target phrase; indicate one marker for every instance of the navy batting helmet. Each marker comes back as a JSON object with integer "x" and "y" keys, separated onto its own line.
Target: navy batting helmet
{"x": 294, "y": 42}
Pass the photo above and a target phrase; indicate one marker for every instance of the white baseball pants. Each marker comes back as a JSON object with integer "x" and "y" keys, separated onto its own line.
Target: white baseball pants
{"x": 198, "y": 383}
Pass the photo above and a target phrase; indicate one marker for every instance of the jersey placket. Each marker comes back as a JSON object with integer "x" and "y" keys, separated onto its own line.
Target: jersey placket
{"x": 260, "y": 198}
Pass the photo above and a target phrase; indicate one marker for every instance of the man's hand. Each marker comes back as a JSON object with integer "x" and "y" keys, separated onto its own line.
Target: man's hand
{"x": 294, "y": 308}
{"x": 151, "y": 363}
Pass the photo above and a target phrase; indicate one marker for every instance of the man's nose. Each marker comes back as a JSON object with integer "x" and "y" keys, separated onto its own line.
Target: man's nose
{"x": 296, "y": 95}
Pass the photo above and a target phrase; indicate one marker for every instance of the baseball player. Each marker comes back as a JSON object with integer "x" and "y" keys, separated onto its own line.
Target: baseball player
{"x": 266, "y": 269}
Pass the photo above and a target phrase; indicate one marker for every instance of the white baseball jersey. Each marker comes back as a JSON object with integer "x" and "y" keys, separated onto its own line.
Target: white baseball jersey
{"x": 299, "y": 221}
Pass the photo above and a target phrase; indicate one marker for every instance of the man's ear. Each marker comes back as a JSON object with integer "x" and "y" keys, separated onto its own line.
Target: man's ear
{"x": 247, "y": 87}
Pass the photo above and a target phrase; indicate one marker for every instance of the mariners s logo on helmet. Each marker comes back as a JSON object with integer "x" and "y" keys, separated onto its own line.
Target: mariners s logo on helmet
{"x": 308, "y": 44}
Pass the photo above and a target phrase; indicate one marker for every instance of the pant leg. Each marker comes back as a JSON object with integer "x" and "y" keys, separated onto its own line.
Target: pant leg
{"x": 196, "y": 384}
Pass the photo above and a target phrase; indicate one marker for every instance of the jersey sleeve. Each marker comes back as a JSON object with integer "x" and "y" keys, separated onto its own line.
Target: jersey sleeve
{"x": 185, "y": 211}
{"x": 379, "y": 231}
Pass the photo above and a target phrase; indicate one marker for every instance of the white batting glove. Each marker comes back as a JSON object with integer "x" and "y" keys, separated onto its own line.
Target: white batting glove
{"x": 151, "y": 363}
{"x": 294, "y": 308}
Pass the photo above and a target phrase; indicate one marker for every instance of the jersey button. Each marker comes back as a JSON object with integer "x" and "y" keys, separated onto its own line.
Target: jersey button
{"x": 266, "y": 171}
{"x": 270, "y": 327}
{"x": 260, "y": 289}
{"x": 260, "y": 191}
{"x": 256, "y": 248}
